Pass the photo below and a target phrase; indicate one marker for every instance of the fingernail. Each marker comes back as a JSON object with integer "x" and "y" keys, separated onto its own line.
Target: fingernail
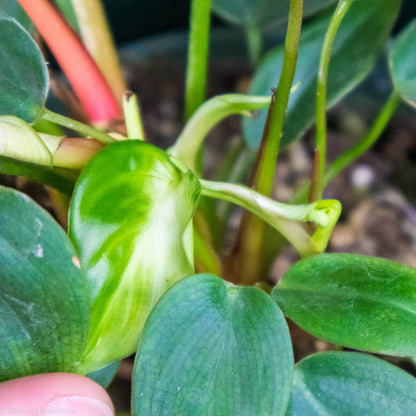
{"x": 80, "y": 406}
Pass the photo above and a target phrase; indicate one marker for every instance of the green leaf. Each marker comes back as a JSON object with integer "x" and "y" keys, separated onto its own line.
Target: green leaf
{"x": 19, "y": 141}
{"x": 68, "y": 11}
{"x": 263, "y": 12}
{"x": 44, "y": 296}
{"x": 13, "y": 9}
{"x": 23, "y": 73}
{"x": 361, "y": 302}
{"x": 214, "y": 349}
{"x": 340, "y": 383}
{"x": 130, "y": 220}
{"x": 61, "y": 179}
{"x": 402, "y": 57}
{"x": 104, "y": 376}
{"x": 359, "y": 42}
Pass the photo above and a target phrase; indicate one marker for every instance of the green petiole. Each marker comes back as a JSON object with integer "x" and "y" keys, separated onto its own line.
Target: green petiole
{"x": 292, "y": 221}
{"x": 77, "y": 126}
{"x": 369, "y": 139}
{"x": 206, "y": 117}
{"x": 358, "y": 149}
{"x": 252, "y": 230}
{"x": 196, "y": 72}
{"x": 132, "y": 116}
{"x": 336, "y": 20}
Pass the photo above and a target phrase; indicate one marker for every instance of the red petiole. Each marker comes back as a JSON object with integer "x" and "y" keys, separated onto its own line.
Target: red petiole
{"x": 75, "y": 61}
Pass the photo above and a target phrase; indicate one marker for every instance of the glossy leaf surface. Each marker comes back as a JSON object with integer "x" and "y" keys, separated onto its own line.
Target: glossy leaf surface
{"x": 61, "y": 179}
{"x": 358, "y": 43}
{"x": 361, "y": 302}
{"x": 263, "y": 12}
{"x": 130, "y": 221}
{"x": 343, "y": 383}
{"x": 402, "y": 57}
{"x": 214, "y": 349}
{"x": 23, "y": 72}
{"x": 44, "y": 296}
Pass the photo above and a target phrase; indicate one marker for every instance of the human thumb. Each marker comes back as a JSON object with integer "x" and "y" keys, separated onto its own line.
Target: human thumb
{"x": 54, "y": 394}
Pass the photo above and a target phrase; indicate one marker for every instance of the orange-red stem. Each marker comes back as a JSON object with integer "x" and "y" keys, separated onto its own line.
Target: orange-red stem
{"x": 79, "y": 67}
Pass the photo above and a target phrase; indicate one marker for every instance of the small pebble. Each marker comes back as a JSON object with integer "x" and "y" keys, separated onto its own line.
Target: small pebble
{"x": 362, "y": 177}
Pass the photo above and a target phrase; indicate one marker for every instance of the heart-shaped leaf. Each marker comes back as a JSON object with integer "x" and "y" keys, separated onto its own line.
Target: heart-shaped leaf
{"x": 263, "y": 12}
{"x": 361, "y": 302}
{"x": 23, "y": 73}
{"x": 341, "y": 383}
{"x": 130, "y": 220}
{"x": 214, "y": 349}
{"x": 44, "y": 296}
{"x": 359, "y": 42}
{"x": 402, "y": 57}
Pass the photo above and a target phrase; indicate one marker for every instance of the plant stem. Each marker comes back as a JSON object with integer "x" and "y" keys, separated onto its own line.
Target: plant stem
{"x": 369, "y": 139}
{"x": 206, "y": 258}
{"x": 132, "y": 116}
{"x": 74, "y": 153}
{"x": 61, "y": 179}
{"x": 195, "y": 92}
{"x": 272, "y": 134}
{"x": 358, "y": 149}
{"x": 287, "y": 219}
{"x": 206, "y": 117}
{"x": 80, "y": 68}
{"x": 196, "y": 72}
{"x": 252, "y": 229}
{"x": 77, "y": 126}
{"x": 336, "y": 20}
{"x": 98, "y": 39}
{"x": 255, "y": 44}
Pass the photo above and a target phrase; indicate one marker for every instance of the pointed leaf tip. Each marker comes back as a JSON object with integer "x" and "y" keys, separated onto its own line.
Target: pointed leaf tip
{"x": 214, "y": 349}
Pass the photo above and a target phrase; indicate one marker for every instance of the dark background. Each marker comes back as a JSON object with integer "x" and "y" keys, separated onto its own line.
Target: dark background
{"x": 132, "y": 19}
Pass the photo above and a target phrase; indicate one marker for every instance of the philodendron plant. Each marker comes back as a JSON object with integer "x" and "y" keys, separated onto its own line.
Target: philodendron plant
{"x": 140, "y": 268}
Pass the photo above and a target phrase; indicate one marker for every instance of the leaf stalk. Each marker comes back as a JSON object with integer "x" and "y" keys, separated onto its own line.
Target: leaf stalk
{"x": 321, "y": 92}
{"x": 98, "y": 39}
{"x": 290, "y": 220}
{"x": 80, "y": 68}
{"x": 252, "y": 229}
{"x": 77, "y": 126}
{"x": 196, "y": 72}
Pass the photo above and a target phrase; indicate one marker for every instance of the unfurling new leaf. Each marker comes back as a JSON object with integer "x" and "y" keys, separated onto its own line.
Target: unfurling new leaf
{"x": 130, "y": 221}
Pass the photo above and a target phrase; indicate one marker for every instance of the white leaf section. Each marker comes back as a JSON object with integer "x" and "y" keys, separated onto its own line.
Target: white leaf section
{"x": 19, "y": 141}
